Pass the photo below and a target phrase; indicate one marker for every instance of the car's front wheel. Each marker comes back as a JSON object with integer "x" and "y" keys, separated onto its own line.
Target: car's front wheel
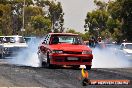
{"x": 48, "y": 64}
{"x": 88, "y": 67}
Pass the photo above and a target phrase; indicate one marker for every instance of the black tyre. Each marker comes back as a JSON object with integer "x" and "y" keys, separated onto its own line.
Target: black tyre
{"x": 88, "y": 67}
{"x": 43, "y": 64}
{"x": 48, "y": 65}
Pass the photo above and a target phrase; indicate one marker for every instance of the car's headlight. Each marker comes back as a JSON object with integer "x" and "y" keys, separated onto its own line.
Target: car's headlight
{"x": 86, "y": 52}
{"x": 57, "y": 51}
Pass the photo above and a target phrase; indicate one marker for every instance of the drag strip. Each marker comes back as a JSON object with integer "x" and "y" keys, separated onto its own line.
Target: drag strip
{"x": 24, "y": 76}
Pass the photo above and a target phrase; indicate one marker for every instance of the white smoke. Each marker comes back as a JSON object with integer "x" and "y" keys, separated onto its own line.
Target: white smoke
{"x": 103, "y": 58}
{"x": 107, "y": 58}
{"x": 28, "y": 56}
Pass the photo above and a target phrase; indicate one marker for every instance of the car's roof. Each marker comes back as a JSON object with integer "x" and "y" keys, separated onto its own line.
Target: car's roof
{"x": 62, "y": 34}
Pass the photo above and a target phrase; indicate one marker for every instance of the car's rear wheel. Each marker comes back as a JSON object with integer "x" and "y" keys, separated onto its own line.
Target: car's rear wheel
{"x": 88, "y": 67}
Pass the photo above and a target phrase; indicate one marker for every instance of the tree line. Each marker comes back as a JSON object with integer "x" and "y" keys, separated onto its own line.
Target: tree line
{"x": 30, "y": 17}
{"x": 112, "y": 20}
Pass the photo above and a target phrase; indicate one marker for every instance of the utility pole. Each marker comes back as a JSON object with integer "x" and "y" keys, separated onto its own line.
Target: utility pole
{"x": 23, "y": 21}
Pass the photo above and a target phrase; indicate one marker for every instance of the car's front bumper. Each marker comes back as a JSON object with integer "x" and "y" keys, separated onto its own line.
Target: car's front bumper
{"x": 63, "y": 59}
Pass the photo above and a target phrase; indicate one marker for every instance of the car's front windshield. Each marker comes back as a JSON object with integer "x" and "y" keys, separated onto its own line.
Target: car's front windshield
{"x": 128, "y": 46}
{"x": 72, "y": 39}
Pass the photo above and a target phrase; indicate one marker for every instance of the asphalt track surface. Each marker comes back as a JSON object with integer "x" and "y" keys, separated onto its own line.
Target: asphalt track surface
{"x": 24, "y": 76}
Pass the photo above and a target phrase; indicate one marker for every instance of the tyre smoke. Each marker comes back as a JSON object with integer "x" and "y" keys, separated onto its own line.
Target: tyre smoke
{"x": 103, "y": 58}
{"x": 108, "y": 58}
{"x": 28, "y": 56}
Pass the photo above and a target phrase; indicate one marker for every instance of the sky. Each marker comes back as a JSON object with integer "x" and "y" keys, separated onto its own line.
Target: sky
{"x": 75, "y": 12}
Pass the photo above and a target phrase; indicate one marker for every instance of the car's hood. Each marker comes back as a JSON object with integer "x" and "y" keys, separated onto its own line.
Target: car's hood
{"x": 69, "y": 47}
{"x": 15, "y": 45}
{"x": 128, "y": 50}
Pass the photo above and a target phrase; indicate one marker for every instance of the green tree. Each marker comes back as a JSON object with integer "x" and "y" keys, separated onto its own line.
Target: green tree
{"x": 96, "y": 21}
{"x": 112, "y": 24}
{"x": 117, "y": 35}
{"x": 110, "y": 16}
{"x": 121, "y": 10}
{"x": 41, "y": 23}
{"x": 70, "y": 31}
{"x": 55, "y": 14}
{"x": 11, "y": 14}
{"x": 84, "y": 36}
{"x": 5, "y": 19}
{"x": 31, "y": 12}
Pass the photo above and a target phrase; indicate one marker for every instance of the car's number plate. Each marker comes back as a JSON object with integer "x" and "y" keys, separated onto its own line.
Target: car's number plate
{"x": 72, "y": 58}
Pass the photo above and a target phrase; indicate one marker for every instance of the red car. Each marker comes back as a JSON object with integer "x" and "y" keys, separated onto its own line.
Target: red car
{"x": 64, "y": 49}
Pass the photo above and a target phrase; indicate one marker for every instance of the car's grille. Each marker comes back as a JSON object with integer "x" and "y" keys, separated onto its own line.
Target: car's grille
{"x": 71, "y": 52}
